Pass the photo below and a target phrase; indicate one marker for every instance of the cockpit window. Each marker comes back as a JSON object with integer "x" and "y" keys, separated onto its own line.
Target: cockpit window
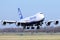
{"x": 41, "y": 13}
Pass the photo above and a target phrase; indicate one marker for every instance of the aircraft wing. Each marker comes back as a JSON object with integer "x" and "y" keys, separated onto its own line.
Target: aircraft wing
{"x": 4, "y": 22}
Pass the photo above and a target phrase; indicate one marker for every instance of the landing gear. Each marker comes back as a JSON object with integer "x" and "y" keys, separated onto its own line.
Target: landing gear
{"x": 24, "y": 27}
{"x": 38, "y": 27}
{"x": 28, "y": 28}
{"x": 32, "y": 27}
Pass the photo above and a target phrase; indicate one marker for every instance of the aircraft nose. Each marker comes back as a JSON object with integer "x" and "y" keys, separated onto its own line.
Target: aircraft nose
{"x": 42, "y": 15}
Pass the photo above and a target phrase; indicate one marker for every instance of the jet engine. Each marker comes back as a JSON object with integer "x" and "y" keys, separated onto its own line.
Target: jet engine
{"x": 56, "y": 22}
{"x": 48, "y": 23}
{"x": 3, "y": 23}
{"x": 17, "y": 23}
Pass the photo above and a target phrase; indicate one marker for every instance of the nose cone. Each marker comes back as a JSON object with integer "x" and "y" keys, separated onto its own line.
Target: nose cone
{"x": 41, "y": 15}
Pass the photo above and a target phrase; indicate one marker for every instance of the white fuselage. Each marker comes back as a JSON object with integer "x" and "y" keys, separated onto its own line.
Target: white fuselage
{"x": 37, "y": 17}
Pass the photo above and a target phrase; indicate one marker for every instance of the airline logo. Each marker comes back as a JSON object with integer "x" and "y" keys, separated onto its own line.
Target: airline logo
{"x": 32, "y": 18}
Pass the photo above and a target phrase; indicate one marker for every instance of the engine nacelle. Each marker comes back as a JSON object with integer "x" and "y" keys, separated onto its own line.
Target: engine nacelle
{"x": 17, "y": 23}
{"x": 56, "y": 22}
{"x": 3, "y": 23}
{"x": 48, "y": 23}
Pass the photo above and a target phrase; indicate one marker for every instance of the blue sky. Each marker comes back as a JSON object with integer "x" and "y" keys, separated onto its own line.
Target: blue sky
{"x": 8, "y": 9}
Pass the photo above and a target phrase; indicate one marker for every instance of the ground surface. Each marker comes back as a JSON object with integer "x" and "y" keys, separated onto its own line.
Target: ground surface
{"x": 30, "y": 37}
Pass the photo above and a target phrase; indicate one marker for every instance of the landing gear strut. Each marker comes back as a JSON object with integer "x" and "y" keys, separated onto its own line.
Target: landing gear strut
{"x": 24, "y": 27}
{"x": 38, "y": 27}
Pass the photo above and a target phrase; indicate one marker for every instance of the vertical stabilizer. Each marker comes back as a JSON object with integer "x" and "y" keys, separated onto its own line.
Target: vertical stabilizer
{"x": 20, "y": 14}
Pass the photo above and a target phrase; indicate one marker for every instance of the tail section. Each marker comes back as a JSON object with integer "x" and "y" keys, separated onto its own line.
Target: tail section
{"x": 20, "y": 14}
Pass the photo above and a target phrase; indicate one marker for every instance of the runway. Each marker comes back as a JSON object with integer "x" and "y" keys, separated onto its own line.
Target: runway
{"x": 41, "y": 36}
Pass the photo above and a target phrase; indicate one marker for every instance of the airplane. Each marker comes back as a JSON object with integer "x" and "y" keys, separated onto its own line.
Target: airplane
{"x": 36, "y": 20}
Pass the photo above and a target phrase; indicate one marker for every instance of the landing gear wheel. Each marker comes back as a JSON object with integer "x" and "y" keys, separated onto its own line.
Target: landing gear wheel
{"x": 32, "y": 27}
{"x": 38, "y": 27}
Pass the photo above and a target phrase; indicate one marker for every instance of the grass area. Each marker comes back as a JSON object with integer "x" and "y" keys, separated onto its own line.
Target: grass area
{"x": 29, "y": 37}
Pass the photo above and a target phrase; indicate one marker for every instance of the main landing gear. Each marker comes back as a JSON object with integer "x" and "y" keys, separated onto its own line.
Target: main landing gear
{"x": 31, "y": 27}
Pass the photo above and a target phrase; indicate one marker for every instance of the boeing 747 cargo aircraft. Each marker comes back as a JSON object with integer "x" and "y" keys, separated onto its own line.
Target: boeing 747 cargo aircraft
{"x": 35, "y": 20}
